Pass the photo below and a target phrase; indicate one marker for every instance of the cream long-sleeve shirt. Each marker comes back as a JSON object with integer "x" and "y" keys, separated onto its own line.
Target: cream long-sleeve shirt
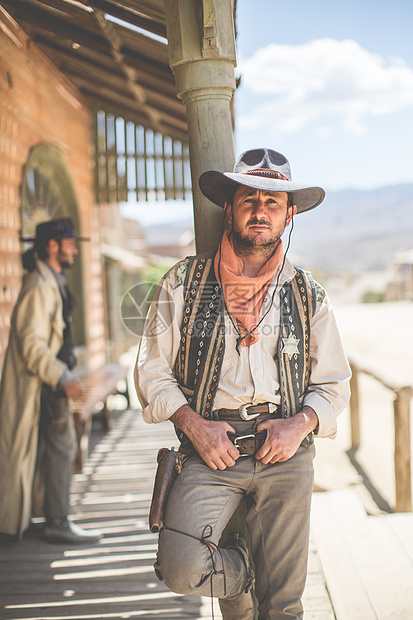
{"x": 252, "y": 376}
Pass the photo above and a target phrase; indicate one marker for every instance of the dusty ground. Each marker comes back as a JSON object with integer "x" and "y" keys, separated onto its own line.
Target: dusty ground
{"x": 382, "y": 335}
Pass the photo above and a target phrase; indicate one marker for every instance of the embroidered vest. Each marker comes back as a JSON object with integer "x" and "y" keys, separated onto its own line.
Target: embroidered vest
{"x": 199, "y": 361}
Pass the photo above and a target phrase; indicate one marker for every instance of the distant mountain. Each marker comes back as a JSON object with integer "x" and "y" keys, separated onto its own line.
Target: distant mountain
{"x": 355, "y": 230}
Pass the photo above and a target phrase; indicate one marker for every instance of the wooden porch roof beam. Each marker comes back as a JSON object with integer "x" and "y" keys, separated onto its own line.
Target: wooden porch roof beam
{"x": 87, "y": 53}
{"x": 138, "y": 91}
{"x": 128, "y": 16}
{"x": 40, "y": 23}
{"x": 34, "y": 24}
{"x": 157, "y": 102}
{"x": 72, "y": 64}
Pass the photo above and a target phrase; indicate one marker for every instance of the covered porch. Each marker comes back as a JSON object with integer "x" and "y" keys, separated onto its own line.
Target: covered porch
{"x": 360, "y": 567}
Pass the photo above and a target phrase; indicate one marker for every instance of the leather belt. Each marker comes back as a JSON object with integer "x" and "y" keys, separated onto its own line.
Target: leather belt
{"x": 248, "y": 445}
{"x": 247, "y": 411}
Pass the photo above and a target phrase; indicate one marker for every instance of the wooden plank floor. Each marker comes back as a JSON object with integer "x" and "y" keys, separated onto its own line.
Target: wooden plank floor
{"x": 113, "y": 579}
{"x": 367, "y": 560}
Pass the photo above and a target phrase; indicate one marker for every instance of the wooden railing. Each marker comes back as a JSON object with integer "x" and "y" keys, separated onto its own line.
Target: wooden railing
{"x": 402, "y": 444}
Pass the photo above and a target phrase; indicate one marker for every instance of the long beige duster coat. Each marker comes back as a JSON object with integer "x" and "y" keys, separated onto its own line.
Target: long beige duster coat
{"x": 36, "y": 336}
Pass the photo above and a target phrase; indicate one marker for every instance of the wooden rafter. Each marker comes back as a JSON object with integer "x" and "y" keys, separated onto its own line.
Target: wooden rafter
{"x": 116, "y": 44}
{"x": 114, "y": 66}
{"x": 131, "y": 15}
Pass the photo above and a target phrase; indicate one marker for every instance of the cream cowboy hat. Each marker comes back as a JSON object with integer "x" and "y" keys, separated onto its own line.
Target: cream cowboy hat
{"x": 260, "y": 169}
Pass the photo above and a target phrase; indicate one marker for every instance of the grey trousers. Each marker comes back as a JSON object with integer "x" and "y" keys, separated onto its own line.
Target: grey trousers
{"x": 278, "y": 499}
{"x": 56, "y": 452}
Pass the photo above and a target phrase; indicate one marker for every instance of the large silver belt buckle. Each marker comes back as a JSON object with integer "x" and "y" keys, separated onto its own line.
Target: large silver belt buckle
{"x": 242, "y": 410}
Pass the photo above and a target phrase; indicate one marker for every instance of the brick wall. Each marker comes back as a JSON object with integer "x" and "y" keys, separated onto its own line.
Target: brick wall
{"x": 37, "y": 104}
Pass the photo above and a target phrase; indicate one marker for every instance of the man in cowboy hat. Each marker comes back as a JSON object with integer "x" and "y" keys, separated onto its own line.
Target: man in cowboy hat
{"x": 36, "y": 423}
{"x": 249, "y": 368}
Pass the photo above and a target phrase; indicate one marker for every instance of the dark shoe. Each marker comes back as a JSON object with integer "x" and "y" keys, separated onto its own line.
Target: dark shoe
{"x": 237, "y": 542}
{"x": 5, "y": 539}
{"x": 65, "y": 531}
{"x": 239, "y": 607}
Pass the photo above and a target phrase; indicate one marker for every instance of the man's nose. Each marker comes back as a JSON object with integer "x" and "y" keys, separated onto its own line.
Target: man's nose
{"x": 259, "y": 206}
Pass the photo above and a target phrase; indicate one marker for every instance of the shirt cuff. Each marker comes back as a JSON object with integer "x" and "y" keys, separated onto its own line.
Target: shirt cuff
{"x": 327, "y": 419}
{"x": 164, "y": 406}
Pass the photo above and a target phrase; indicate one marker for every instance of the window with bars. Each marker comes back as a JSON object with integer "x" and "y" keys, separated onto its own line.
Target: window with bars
{"x": 135, "y": 163}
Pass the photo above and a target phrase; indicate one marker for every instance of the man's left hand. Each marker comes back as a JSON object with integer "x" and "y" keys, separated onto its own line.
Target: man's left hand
{"x": 284, "y": 436}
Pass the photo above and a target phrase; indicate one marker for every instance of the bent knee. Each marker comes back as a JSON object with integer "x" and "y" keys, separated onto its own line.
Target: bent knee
{"x": 180, "y": 579}
{"x": 183, "y": 568}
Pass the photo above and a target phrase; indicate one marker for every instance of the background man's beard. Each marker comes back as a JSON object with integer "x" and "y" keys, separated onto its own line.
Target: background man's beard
{"x": 64, "y": 261}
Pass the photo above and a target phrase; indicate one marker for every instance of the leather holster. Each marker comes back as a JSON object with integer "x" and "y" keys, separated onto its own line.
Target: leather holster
{"x": 169, "y": 465}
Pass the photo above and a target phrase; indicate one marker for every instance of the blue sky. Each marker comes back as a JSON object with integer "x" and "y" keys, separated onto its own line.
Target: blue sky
{"x": 330, "y": 85}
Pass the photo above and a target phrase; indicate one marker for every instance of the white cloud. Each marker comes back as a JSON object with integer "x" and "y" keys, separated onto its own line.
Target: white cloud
{"x": 323, "y": 83}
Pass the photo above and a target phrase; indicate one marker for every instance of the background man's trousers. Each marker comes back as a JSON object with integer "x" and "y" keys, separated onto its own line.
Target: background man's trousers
{"x": 56, "y": 452}
{"x": 278, "y": 501}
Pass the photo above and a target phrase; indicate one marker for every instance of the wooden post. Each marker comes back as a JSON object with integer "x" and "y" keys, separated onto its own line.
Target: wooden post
{"x": 201, "y": 43}
{"x": 354, "y": 408}
{"x": 402, "y": 450}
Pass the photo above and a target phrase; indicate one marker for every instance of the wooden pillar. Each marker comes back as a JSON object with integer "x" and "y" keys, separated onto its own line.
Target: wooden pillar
{"x": 402, "y": 450}
{"x": 354, "y": 408}
{"x": 201, "y": 44}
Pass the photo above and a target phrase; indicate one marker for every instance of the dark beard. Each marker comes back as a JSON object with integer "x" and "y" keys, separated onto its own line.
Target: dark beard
{"x": 63, "y": 262}
{"x": 245, "y": 244}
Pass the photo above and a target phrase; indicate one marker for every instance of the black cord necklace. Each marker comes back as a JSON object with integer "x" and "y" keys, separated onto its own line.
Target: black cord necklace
{"x": 240, "y": 337}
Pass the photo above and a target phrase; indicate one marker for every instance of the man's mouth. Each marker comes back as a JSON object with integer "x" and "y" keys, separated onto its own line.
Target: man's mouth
{"x": 258, "y": 226}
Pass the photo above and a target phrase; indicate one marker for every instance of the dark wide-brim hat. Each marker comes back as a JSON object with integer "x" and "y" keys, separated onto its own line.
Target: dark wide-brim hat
{"x": 60, "y": 228}
{"x": 260, "y": 169}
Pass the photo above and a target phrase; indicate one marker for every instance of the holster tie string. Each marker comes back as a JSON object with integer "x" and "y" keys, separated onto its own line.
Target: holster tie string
{"x": 212, "y": 548}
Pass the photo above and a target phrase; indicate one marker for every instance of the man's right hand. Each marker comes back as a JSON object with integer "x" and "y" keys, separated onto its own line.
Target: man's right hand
{"x": 209, "y": 438}
{"x": 73, "y": 389}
